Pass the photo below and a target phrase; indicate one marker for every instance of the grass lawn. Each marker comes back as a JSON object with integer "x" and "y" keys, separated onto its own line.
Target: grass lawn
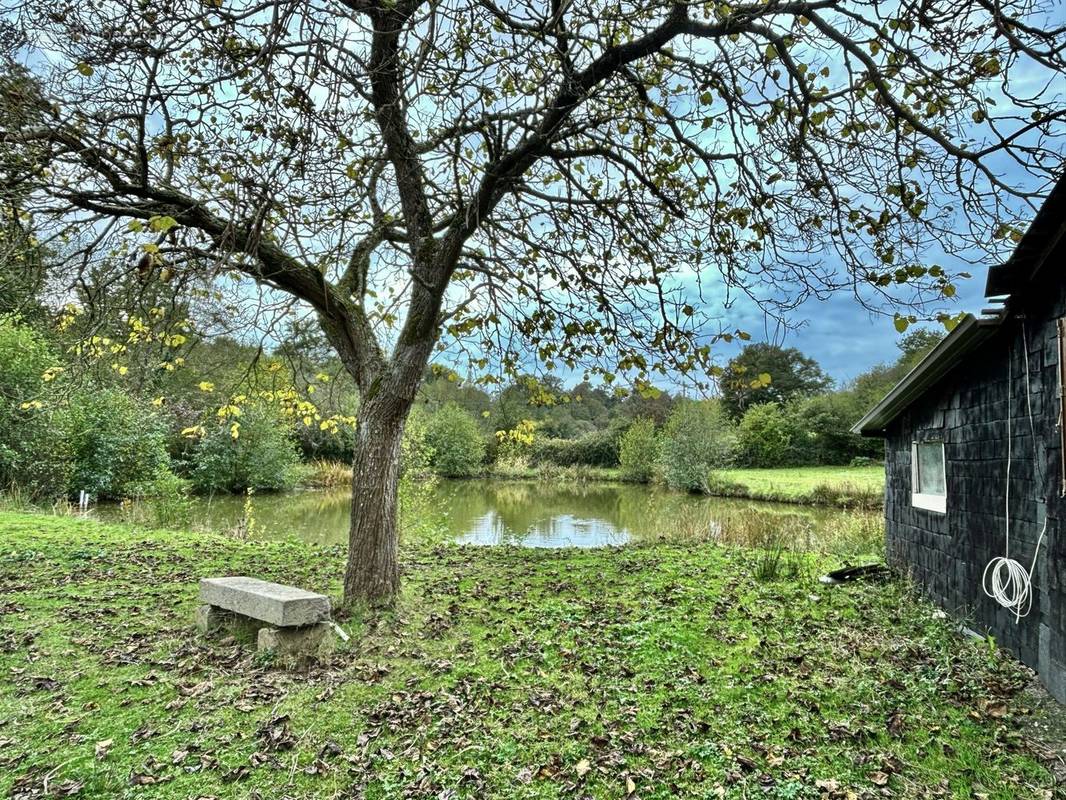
{"x": 656, "y": 671}
{"x": 805, "y": 484}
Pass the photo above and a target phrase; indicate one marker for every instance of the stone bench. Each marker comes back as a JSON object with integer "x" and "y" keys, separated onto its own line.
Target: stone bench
{"x": 290, "y": 621}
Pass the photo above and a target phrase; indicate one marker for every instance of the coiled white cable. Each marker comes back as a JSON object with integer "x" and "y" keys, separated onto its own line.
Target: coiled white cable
{"x": 1005, "y": 580}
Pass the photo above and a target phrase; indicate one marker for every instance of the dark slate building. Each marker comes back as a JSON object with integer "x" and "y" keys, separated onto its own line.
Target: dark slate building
{"x": 974, "y": 455}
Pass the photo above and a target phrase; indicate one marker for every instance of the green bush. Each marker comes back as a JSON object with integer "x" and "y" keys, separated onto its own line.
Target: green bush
{"x": 865, "y": 461}
{"x": 263, "y": 457}
{"x": 764, "y": 436}
{"x": 821, "y": 432}
{"x": 416, "y": 455}
{"x": 163, "y": 503}
{"x": 696, "y": 440}
{"x": 453, "y": 436}
{"x": 638, "y": 451}
{"x": 119, "y": 445}
{"x": 317, "y": 444}
{"x": 596, "y": 449}
{"x": 35, "y": 454}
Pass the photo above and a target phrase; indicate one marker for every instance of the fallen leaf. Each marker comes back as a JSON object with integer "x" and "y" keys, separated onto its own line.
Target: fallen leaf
{"x": 878, "y": 778}
{"x": 996, "y": 710}
{"x": 582, "y": 768}
{"x": 103, "y": 746}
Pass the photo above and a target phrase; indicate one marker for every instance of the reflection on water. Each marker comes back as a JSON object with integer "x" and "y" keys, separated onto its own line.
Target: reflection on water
{"x": 535, "y": 514}
{"x": 556, "y": 530}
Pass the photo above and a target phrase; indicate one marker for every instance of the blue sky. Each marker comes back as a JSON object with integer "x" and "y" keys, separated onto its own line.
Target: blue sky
{"x": 846, "y": 339}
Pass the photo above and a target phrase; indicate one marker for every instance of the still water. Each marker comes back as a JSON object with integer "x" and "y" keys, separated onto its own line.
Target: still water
{"x": 537, "y": 514}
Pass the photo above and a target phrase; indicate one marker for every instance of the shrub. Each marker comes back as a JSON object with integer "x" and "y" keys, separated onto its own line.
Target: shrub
{"x": 638, "y": 451}
{"x": 119, "y": 445}
{"x": 763, "y": 436}
{"x": 596, "y": 449}
{"x": 516, "y": 445}
{"x": 263, "y": 457}
{"x": 163, "y": 503}
{"x": 696, "y": 440}
{"x": 456, "y": 443}
{"x": 416, "y": 454}
{"x": 864, "y": 461}
{"x": 821, "y": 432}
{"x": 317, "y": 444}
{"x": 35, "y": 454}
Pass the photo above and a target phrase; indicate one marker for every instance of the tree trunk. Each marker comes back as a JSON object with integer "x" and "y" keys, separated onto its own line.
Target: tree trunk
{"x": 372, "y": 575}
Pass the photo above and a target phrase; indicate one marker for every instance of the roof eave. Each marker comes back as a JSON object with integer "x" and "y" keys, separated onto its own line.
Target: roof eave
{"x": 937, "y": 363}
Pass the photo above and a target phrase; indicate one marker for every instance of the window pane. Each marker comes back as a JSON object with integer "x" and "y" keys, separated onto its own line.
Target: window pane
{"x": 931, "y": 468}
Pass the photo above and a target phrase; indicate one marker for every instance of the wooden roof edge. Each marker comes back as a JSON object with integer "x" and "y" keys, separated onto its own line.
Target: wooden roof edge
{"x": 937, "y": 363}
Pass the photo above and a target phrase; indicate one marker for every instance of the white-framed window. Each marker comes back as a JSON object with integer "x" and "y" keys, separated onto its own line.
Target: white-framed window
{"x": 929, "y": 486}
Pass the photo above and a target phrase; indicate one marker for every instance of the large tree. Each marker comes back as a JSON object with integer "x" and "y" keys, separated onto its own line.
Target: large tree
{"x": 768, "y": 373}
{"x": 516, "y": 179}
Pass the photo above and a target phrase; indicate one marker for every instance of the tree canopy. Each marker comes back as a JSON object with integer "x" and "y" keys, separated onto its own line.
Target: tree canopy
{"x": 768, "y": 373}
{"x": 552, "y": 165}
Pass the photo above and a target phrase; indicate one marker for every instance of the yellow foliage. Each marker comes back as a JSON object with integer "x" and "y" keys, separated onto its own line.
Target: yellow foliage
{"x": 522, "y": 434}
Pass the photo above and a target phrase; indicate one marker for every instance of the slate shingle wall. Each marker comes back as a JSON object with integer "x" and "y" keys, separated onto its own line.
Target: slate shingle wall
{"x": 947, "y": 553}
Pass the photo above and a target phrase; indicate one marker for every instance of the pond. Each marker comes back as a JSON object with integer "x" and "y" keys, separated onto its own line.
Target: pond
{"x": 543, "y": 514}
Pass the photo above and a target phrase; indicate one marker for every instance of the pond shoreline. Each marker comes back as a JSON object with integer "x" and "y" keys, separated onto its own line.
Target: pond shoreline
{"x": 845, "y": 488}
{"x": 527, "y": 513}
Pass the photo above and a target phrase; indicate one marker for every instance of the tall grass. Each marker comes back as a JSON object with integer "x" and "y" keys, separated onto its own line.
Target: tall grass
{"x": 324, "y": 474}
{"x": 776, "y": 558}
{"x": 848, "y": 535}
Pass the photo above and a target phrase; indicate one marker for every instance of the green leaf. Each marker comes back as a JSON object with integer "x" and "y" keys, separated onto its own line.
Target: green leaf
{"x": 901, "y": 323}
{"x": 162, "y": 224}
{"x": 84, "y": 69}
{"x": 771, "y": 52}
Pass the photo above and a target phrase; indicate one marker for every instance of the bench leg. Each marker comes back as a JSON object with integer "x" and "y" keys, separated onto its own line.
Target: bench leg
{"x": 211, "y": 618}
{"x": 309, "y": 641}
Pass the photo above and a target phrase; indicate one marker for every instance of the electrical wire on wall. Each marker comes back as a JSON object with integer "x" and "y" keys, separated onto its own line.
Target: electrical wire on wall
{"x": 1006, "y": 580}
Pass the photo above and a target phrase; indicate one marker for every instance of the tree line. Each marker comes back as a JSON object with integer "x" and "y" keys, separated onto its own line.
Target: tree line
{"x": 133, "y": 418}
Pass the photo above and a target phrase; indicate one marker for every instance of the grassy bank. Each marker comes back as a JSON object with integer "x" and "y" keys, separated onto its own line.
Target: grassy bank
{"x": 840, "y": 487}
{"x": 654, "y": 672}
{"x": 852, "y": 487}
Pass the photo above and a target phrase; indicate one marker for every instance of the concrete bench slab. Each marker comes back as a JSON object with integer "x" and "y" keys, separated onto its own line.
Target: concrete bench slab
{"x": 273, "y": 603}
{"x": 311, "y": 641}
